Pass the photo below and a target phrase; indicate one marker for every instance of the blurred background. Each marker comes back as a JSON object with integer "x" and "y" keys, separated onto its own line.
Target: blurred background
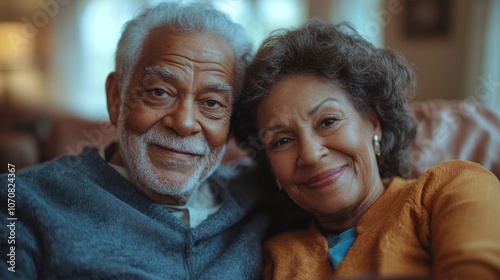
{"x": 55, "y": 54}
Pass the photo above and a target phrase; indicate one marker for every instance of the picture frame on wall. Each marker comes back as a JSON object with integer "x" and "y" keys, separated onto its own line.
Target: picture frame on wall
{"x": 427, "y": 18}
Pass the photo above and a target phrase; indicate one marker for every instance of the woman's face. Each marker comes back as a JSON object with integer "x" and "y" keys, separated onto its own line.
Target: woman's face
{"x": 319, "y": 147}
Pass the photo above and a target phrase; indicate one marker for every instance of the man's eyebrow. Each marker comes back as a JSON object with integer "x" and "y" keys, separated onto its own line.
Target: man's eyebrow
{"x": 221, "y": 87}
{"x": 160, "y": 71}
{"x": 164, "y": 72}
{"x": 316, "y": 108}
{"x": 157, "y": 70}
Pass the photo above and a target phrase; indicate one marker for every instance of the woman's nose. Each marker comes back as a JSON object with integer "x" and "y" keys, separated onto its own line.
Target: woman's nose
{"x": 311, "y": 150}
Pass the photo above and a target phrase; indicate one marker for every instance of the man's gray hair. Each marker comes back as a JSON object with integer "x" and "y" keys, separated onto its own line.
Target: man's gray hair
{"x": 186, "y": 17}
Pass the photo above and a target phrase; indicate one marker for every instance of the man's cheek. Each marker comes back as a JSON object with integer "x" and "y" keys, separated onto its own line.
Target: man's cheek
{"x": 141, "y": 120}
{"x": 216, "y": 132}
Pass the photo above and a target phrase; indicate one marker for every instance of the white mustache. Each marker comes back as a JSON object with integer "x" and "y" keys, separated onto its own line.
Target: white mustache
{"x": 194, "y": 145}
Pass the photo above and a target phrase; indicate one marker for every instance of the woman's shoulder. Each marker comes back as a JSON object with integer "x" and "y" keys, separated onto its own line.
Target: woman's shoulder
{"x": 458, "y": 177}
{"x": 448, "y": 172}
{"x": 458, "y": 170}
{"x": 457, "y": 166}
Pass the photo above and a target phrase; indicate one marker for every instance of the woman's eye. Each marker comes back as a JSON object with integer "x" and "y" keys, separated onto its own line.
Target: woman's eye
{"x": 328, "y": 122}
{"x": 282, "y": 142}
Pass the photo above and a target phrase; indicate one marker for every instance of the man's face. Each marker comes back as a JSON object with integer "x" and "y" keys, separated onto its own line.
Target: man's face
{"x": 174, "y": 117}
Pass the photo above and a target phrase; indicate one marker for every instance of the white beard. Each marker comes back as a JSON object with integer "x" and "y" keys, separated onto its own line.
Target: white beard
{"x": 134, "y": 153}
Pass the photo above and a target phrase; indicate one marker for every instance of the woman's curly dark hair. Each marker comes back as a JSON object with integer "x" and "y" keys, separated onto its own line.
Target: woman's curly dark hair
{"x": 379, "y": 79}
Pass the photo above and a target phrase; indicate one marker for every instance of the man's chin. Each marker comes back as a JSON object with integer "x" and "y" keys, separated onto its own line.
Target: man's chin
{"x": 171, "y": 199}
{"x": 176, "y": 183}
{"x": 169, "y": 193}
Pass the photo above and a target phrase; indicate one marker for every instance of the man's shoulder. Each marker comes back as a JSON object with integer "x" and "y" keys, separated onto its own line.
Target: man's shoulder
{"x": 63, "y": 165}
{"x": 64, "y": 170}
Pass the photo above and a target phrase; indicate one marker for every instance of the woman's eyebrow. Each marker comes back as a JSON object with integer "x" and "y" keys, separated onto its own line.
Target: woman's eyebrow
{"x": 328, "y": 100}
{"x": 274, "y": 128}
{"x": 314, "y": 110}
{"x": 270, "y": 129}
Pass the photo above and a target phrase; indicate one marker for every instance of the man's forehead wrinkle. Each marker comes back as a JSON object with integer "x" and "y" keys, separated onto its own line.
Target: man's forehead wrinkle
{"x": 211, "y": 60}
{"x": 161, "y": 67}
{"x": 164, "y": 71}
{"x": 216, "y": 50}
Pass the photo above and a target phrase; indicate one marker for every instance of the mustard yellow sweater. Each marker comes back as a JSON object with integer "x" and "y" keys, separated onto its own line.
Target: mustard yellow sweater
{"x": 444, "y": 224}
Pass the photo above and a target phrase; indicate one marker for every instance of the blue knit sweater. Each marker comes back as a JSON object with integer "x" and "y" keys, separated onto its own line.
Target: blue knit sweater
{"x": 78, "y": 218}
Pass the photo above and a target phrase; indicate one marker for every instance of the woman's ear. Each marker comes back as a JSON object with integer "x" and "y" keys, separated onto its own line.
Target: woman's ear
{"x": 374, "y": 121}
{"x": 113, "y": 97}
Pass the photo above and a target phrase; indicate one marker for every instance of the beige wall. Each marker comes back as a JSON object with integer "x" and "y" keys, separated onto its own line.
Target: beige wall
{"x": 448, "y": 67}
{"x": 440, "y": 61}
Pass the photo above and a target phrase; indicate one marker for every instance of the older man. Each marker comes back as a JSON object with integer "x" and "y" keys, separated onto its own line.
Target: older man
{"x": 149, "y": 206}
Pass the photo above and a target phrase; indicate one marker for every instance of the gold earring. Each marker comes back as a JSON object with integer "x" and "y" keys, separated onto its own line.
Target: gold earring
{"x": 376, "y": 144}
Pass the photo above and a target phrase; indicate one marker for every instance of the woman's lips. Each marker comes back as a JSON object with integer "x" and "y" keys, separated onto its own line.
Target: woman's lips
{"x": 324, "y": 179}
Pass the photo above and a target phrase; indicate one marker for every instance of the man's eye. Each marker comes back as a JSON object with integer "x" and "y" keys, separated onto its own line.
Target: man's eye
{"x": 212, "y": 103}
{"x": 159, "y": 92}
{"x": 159, "y": 97}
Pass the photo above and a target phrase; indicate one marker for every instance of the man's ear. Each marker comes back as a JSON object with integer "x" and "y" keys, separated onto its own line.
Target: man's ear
{"x": 113, "y": 97}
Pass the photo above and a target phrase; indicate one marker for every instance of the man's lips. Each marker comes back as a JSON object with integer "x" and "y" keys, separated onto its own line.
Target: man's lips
{"x": 325, "y": 178}
{"x": 176, "y": 153}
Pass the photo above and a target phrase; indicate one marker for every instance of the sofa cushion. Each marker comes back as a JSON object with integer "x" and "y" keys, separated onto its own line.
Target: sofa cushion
{"x": 454, "y": 130}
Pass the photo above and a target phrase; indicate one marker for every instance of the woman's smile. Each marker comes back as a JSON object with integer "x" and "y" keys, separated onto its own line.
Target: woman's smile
{"x": 324, "y": 179}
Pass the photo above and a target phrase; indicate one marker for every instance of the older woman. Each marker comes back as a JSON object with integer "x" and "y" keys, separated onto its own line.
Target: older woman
{"x": 331, "y": 112}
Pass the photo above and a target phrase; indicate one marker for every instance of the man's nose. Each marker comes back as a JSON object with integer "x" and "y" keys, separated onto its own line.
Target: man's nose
{"x": 182, "y": 119}
{"x": 311, "y": 150}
